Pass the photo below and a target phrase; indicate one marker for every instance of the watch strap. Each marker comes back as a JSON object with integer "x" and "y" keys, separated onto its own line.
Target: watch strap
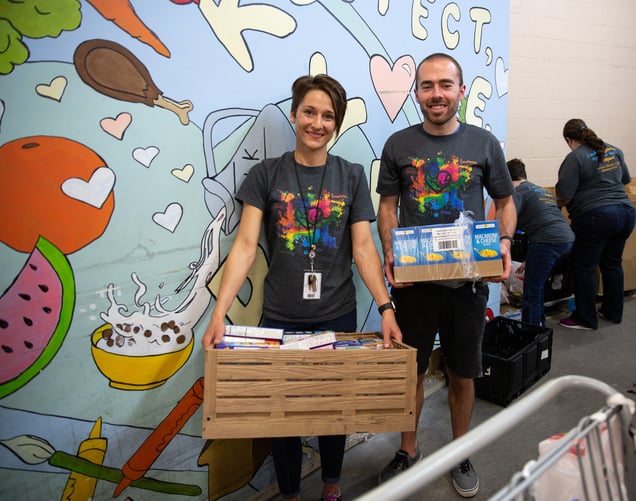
{"x": 382, "y": 308}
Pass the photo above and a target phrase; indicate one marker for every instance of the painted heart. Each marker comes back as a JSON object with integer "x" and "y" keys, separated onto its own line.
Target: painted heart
{"x": 169, "y": 219}
{"x": 145, "y": 156}
{"x": 95, "y": 191}
{"x": 184, "y": 174}
{"x": 116, "y": 127}
{"x": 53, "y": 90}
{"x": 501, "y": 77}
{"x": 392, "y": 84}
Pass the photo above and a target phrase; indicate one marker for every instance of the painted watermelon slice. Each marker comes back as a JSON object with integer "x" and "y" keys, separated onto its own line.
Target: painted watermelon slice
{"x": 35, "y": 315}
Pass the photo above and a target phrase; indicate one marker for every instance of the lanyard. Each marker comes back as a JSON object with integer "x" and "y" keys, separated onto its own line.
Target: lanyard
{"x": 311, "y": 228}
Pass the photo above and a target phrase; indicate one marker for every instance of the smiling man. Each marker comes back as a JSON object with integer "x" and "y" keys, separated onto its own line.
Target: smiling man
{"x": 434, "y": 173}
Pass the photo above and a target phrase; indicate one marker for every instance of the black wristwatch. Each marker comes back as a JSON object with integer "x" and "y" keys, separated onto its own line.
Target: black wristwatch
{"x": 382, "y": 308}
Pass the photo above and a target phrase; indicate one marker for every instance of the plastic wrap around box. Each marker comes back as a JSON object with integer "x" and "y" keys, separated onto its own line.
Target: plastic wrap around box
{"x": 515, "y": 355}
{"x": 279, "y": 393}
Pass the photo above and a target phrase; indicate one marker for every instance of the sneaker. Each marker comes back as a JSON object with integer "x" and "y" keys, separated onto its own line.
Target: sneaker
{"x": 398, "y": 464}
{"x": 465, "y": 479}
{"x": 331, "y": 497}
{"x": 571, "y": 324}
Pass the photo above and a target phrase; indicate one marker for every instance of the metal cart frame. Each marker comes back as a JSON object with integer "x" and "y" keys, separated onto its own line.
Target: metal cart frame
{"x": 444, "y": 459}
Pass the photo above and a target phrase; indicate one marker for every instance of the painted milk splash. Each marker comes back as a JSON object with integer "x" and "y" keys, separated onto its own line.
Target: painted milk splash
{"x": 153, "y": 329}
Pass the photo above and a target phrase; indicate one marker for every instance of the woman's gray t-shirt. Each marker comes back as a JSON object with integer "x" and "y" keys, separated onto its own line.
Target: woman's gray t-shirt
{"x": 590, "y": 184}
{"x": 304, "y": 205}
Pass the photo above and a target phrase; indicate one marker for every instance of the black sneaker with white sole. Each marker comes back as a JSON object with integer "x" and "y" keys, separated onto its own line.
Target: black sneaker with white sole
{"x": 402, "y": 461}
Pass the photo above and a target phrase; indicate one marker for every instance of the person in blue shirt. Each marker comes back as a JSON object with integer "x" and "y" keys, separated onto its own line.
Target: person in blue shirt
{"x": 591, "y": 185}
{"x": 549, "y": 237}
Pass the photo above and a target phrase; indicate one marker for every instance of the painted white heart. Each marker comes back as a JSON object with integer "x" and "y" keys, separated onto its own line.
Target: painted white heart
{"x": 95, "y": 191}
{"x": 145, "y": 156}
{"x": 54, "y": 90}
{"x": 184, "y": 174}
{"x": 170, "y": 218}
{"x": 501, "y": 77}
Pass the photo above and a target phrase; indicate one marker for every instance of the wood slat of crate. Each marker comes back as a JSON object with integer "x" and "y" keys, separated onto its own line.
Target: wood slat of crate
{"x": 274, "y": 393}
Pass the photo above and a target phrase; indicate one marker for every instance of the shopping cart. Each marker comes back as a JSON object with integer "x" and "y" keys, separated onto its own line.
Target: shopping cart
{"x": 603, "y": 444}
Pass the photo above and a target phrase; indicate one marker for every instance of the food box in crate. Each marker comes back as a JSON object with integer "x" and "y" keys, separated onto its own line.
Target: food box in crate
{"x": 515, "y": 355}
{"x": 280, "y": 393}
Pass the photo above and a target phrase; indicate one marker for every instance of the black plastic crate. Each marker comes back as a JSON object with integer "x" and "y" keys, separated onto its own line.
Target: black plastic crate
{"x": 515, "y": 355}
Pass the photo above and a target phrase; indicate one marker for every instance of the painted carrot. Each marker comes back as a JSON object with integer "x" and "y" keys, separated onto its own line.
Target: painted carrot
{"x": 139, "y": 463}
{"x": 122, "y": 13}
{"x": 80, "y": 487}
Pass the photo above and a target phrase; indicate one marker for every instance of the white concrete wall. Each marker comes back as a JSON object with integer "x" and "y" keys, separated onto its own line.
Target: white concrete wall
{"x": 570, "y": 59}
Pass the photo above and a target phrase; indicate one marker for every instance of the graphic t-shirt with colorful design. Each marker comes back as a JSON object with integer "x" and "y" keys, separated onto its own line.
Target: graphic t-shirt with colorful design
{"x": 303, "y": 206}
{"x": 438, "y": 177}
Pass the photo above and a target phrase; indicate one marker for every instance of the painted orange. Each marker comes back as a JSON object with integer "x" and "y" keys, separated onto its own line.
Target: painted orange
{"x": 32, "y": 202}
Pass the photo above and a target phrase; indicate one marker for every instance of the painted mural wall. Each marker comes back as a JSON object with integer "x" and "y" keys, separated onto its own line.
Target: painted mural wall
{"x": 126, "y": 127}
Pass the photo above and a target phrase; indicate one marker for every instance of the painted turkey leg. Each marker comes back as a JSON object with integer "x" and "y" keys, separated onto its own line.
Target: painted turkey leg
{"x": 114, "y": 71}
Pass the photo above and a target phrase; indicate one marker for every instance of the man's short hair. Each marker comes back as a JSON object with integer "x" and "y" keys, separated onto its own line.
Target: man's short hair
{"x": 517, "y": 169}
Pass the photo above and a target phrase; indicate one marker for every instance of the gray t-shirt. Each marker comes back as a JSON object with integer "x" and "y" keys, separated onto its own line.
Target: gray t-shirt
{"x": 538, "y": 215}
{"x": 304, "y": 206}
{"x": 590, "y": 184}
{"x": 438, "y": 177}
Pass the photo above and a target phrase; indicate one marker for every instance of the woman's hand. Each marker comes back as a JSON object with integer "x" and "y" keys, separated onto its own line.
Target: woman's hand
{"x": 213, "y": 333}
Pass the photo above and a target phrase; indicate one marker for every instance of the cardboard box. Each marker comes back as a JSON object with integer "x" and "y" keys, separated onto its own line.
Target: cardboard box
{"x": 629, "y": 253}
{"x": 515, "y": 355}
{"x": 279, "y": 393}
{"x": 447, "y": 251}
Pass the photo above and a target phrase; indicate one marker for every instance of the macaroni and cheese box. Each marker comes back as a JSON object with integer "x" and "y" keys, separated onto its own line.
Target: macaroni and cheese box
{"x": 468, "y": 251}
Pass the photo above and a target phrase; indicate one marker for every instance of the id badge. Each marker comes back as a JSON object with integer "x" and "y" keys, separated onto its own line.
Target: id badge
{"x": 312, "y": 282}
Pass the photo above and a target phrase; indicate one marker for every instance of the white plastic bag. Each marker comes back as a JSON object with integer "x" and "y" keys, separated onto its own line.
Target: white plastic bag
{"x": 588, "y": 461}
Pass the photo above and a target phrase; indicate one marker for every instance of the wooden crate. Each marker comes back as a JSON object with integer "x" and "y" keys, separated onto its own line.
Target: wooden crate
{"x": 278, "y": 393}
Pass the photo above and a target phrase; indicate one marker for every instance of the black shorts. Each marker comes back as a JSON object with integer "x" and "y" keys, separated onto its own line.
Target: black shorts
{"x": 424, "y": 309}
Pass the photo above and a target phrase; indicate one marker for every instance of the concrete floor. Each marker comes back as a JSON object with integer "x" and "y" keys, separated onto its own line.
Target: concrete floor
{"x": 607, "y": 354}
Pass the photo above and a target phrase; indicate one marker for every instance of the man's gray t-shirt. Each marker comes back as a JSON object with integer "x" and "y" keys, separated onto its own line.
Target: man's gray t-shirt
{"x": 538, "y": 215}
{"x": 439, "y": 177}
{"x": 303, "y": 206}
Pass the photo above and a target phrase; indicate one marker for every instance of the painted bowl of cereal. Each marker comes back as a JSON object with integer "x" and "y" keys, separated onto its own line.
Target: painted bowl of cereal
{"x": 134, "y": 358}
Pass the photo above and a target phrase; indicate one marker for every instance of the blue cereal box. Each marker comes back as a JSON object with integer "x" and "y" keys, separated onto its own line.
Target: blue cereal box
{"x": 445, "y": 243}
{"x": 405, "y": 246}
{"x": 486, "y": 241}
{"x": 468, "y": 250}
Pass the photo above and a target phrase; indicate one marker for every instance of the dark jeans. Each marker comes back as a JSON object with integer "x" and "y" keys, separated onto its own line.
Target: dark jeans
{"x": 541, "y": 259}
{"x": 287, "y": 451}
{"x": 600, "y": 240}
